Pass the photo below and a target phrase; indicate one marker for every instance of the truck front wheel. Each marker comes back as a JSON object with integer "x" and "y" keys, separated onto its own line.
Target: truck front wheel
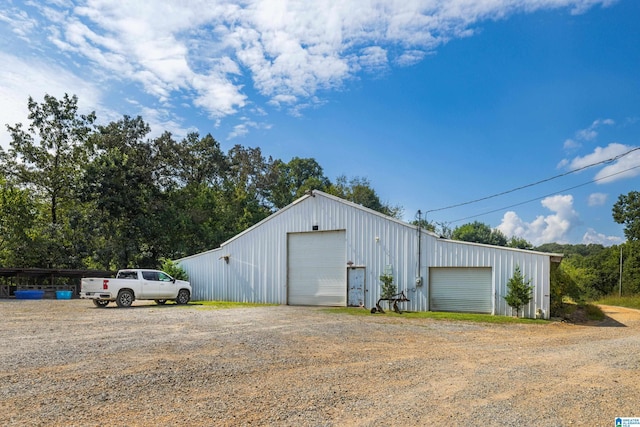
{"x": 183, "y": 297}
{"x": 125, "y": 298}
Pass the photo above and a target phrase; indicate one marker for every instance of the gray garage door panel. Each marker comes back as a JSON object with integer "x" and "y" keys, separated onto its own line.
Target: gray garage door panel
{"x": 461, "y": 289}
{"x": 316, "y": 269}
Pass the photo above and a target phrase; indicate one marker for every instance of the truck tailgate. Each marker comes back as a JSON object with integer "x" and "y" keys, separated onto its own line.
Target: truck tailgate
{"x": 95, "y": 288}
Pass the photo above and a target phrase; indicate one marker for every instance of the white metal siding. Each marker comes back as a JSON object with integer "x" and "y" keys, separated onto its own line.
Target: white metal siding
{"x": 317, "y": 269}
{"x": 503, "y": 261}
{"x": 257, "y": 267}
{"x": 205, "y": 278}
{"x": 461, "y": 289}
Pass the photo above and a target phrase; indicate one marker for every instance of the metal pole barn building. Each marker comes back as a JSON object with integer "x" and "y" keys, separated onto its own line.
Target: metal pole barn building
{"x": 325, "y": 251}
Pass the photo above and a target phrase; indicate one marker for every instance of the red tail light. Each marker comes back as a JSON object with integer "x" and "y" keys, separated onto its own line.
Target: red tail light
{"x": 105, "y": 284}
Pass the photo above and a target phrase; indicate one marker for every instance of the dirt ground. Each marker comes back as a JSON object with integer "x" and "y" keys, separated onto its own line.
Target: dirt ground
{"x": 68, "y": 363}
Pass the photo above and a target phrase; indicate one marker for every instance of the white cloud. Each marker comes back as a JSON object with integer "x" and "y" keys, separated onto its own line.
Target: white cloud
{"x": 591, "y": 133}
{"x": 23, "y": 78}
{"x": 286, "y": 50}
{"x": 278, "y": 100}
{"x": 626, "y": 167}
{"x": 161, "y": 120}
{"x": 571, "y": 144}
{"x": 35, "y": 78}
{"x": 543, "y": 229}
{"x": 562, "y": 163}
{"x": 622, "y": 168}
{"x": 581, "y": 7}
{"x": 593, "y": 237}
{"x": 242, "y": 129}
{"x": 373, "y": 58}
{"x": 584, "y": 135}
{"x": 217, "y": 95}
{"x": 19, "y": 21}
{"x": 597, "y": 199}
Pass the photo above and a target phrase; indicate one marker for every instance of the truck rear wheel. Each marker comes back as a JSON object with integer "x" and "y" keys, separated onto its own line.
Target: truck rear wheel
{"x": 183, "y": 296}
{"x": 125, "y": 298}
{"x": 100, "y": 303}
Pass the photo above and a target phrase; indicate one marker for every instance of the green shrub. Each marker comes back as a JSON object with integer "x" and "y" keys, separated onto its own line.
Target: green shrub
{"x": 518, "y": 291}
{"x": 388, "y": 287}
{"x": 173, "y": 269}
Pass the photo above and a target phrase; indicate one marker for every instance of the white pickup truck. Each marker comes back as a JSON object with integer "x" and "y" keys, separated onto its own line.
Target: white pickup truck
{"x": 132, "y": 284}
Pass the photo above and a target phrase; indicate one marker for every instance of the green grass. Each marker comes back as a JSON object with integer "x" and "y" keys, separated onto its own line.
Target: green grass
{"x": 354, "y": 311}
{"x": 219, "y": 305}
{"x": 629, "y": 302}
{"x": 594, "y": 312}
{"x": 467, "y": 317}
{"x": 579, "y": 312}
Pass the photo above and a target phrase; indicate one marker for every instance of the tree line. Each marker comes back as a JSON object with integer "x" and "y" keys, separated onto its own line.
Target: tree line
{"x": 75, "y": 194}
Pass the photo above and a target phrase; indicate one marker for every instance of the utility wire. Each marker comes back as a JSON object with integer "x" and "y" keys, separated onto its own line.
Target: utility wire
{"x": 536, "y": 183}
{"x": 542, "y": 197}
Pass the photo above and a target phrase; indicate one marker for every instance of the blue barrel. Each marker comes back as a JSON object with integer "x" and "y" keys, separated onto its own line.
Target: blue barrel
{"x": 30, "y": 294}
{"x": 63, "y": 294}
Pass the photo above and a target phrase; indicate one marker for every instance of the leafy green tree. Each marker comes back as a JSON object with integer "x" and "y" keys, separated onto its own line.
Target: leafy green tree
{"x": 424, "y": 224}
{"x": 173, "y": 269}
{"x": 479, "y": 232}
{"x": 292, "y": 180}
{"x": 563, "y": 285}
{"x": 444, "y": 230}
{"x": 74, "y": 195}
{"x": 358, "y": 190}
{"x": 518, "y": 291}
{"x": 569, "y": 250}
{"x": 26, "y": 231}
{"x": 605, "y": 269}
{"x": 49, "y": 154}
{"x": 194, "y": 160}
{"x": 47, "y": 158}
{"x": 17, "y": 219}
{"x": 578, "y": 281}
{"x": 122, "y": 187}
{"x": 195, "y": 173}
{"x": 519, "y": 243}
{"x": 194, "y": 220}
{"x": 245, "y": 189}
{"x": 630, "y": 252}
{"x": 388, "y": 288}
{"x": 594, "y": 270}
{"x": 626, "y": 211}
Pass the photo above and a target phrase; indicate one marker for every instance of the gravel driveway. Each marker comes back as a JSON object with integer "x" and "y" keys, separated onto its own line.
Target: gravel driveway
{"x": 69, "y": 363}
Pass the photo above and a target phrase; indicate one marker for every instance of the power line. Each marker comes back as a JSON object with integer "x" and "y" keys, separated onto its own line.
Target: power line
{"x": 542, "y": 197}
{"x": 612, "y": 159}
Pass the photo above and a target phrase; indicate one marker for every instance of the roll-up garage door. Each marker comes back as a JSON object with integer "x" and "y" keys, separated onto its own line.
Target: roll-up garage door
{"x": 460, "y": 289}
{"x": 316, "y": 268}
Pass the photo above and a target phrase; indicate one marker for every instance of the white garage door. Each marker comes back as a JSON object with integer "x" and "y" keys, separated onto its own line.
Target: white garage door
{"x": 460, "y": 289}
{"x": 316, "y": 264}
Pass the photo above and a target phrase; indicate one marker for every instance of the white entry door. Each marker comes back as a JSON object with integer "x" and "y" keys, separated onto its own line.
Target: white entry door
{"x": 356, "y": 286}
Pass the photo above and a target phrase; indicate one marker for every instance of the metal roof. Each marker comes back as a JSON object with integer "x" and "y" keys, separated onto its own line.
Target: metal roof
{"x": 52, "y": 272}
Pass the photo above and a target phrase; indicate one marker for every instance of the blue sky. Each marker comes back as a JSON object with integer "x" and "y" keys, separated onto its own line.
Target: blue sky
{"x": 436, "y": 102}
